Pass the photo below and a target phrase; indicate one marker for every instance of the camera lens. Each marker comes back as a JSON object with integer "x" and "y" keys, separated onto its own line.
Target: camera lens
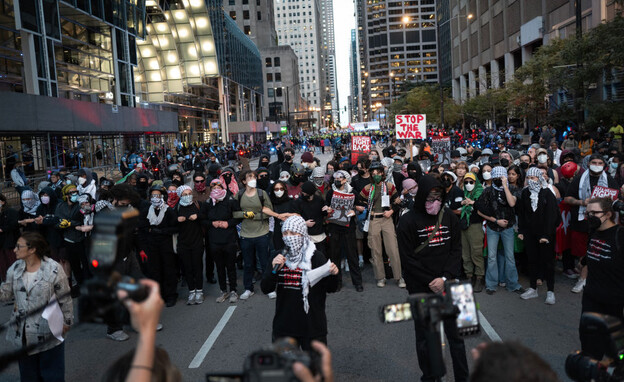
{"x": 581, "y": 368}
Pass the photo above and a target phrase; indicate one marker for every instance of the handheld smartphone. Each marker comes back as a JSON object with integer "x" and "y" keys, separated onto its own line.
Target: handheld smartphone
{"x": 463, "y": 299}
{"x": 396, "y": 313}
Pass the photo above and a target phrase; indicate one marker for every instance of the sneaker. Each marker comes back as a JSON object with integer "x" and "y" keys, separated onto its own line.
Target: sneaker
{"x": 199, "y": 297}
{"x": 520, "y": 290}
{"x": 550, "y": 298}
{"x": 359, "y": 288}
{"x": 381, "y": 283}
{"x": 191, "y": 298}
{"x": 223, "y": 297}
{"x": 569, "y": 273}
{"x": 346, "y": 267}
{"x": 401, "y": 283}
{"x": 233, "y": 297}
{"x": 478, "y": 285}
{"x": 579, "y": 286}
{"x": 361, "y": 261}
{"x": 502, "y": 285}
{"x": 490, "y": 291}
{"x": 272, "y": 295}
{"x": 530, "y": 293}
{"x": 119, "y": 335}
{"x": 246, "y": 294}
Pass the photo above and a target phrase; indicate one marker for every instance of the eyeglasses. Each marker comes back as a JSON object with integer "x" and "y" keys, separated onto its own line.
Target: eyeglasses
{"x": 593, "y": 213}
{"x": 18, "y": 247}
{"x": 278, "y": 189}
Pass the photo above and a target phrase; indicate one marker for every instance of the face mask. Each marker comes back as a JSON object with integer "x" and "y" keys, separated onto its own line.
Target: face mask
{"x": 263, "y": 182}
{"x": 433, "y": 207}
{"x": 82, "y": 181}
{"x": 338, "y": 183}
{"x": 252, "y": 183}
{"x": 524, "y": 165}
{"x": 168, "y": 156}
{"x": 279, "y": 193}
{"x": 361, "y": 172}
{"x": 487, "y": 175}
{"x": 142, "y": 185}
{"x": 264, "y": 164}
{"x": 296, "y": 179}
{"x": 594, "y": 223}
{"x": 294, "y": 243}
{"x": 218, "y": 194}
{"x": 396, "y": 167}
{"x": 74, "y": 198}
{"x": 413, "y": 191}
{"x": 200, "y": 187}
{"x": 330, "y": 172}
{"x": 504, "y": 162}
{"x": 413, "y": 174}
{"x": 45, "y": 199}
{"x": 305, "y": 164}
{"x": 534, "y": 185}
{"x": 596, "y": 168}
{"x": 374, "y": 157}
{"x": 469, "y": 187}
{"x": 186, "y": 200}
{"x": 542, "y": 158}
{"x": 498, "y": 182}
{"x": 318, "y": 182}
{"x": 156, "y": 201}
{"x": 446, "y": 182}
{"x": 377, "y": 178}
{"x": 614, "y": 165}
{"x": 68, "y": 181}
{"x": 86, "y": 210}
{"x": 287, "y": 157}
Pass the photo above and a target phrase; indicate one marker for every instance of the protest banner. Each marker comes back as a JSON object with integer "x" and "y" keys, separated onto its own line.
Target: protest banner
{"x": 341, "y": 204}
{"x": 360, "y": 145}
{"x": 605, "y": 192}
{"x": 411, "y": 126}
{"x": 441, "y": 150}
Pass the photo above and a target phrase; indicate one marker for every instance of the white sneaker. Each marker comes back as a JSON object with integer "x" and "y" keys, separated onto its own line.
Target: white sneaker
{"x": 119, "y": 335}
{"x": 191, "y": 298}
{"x": 246, "y": 295}
{"x": 530, "y": 293}
{"x": 361, "y": 261}
{"x": 346, "y": 267}
{"x": 579, "y": 286}
{"x": 550, "y": 298}
{"x": 272, "y": 295}
{"x": 233, "y": 297}
{"x": 199, "y": 297}
{"x": 381, "y": 283}
{"x": 224, "y": 296}
{"x": 401, "y": 283}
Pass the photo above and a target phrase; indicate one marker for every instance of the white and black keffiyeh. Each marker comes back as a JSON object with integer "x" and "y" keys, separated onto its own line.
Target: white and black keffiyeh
{"x": 157, "y": 219}
{"x": 585, "y": 190}
{"x": 300, "y": 250}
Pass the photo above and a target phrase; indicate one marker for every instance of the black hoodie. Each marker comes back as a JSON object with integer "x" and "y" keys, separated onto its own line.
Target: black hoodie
{"x": 48, "y": 226}
{"x": 442, "y": 256}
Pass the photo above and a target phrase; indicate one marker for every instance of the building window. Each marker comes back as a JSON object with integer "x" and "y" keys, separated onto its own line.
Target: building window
{"x": 259, "y": 15}
{"x": 269, "y": 77}
{"x": 278, "y": 77}
{"x": 277, "y": 61}
{"x": 267, "y": 62}
{"x": 270, "y": 92}
{"x": 245, "y": 15}
{"x": 233, "y": 15}
{"x": 258, "y": 2}
{"x": 278, "y": 92}
{"x": 232, "y": 2}
{"x": 247, "y": 30}
{"x": 245, "y": 2}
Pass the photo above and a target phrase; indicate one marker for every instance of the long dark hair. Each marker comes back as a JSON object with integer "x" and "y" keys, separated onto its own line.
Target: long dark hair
{"x": 274, "y": 198}
{"x": 520, "y": 173}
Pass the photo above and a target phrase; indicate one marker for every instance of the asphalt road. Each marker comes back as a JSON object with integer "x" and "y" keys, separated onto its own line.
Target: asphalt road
{"x": 363, "y": 348}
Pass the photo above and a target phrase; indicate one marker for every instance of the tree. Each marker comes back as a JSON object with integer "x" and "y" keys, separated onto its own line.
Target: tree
{"x": 491, "y": 105}
{"x": 425, "y": 99}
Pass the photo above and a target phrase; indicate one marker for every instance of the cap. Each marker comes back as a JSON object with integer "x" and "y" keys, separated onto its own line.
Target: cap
{"x": 470, "y": 175}
{"x": 308, "y": 187}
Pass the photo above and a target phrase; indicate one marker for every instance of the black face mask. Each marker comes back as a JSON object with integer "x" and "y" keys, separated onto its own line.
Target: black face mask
{"x": 594, "y": 223}
{"x": 338, "y": 183}
{"x": 446, "y": 182}
{"x": 361, "y": 172}
{"x": 524, "y": 165}
{"x": 504, "y": 162}
{"x": 296, "y": 179}
{"x": 142, "y": 185}
{"x": 498, "y": 182}
{"x": 287, "y": 157}
{"x": 412, "y": 174}
{"x": 264, "y": 164}
{"x": 263, "y": 182}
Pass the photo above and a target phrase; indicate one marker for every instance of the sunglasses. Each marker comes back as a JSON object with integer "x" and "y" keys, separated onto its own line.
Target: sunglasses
{"x": 278, "y": 189}
{"x": 469, "y": 182}
{"x": 199, "y": 181}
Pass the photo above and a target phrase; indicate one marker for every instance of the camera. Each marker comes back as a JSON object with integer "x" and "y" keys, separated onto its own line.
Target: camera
{"x": 273, "y": 364}
{"x": 608, "y": 333}
{"x": 110, "y": 243}
{"x": 430, "y": 310}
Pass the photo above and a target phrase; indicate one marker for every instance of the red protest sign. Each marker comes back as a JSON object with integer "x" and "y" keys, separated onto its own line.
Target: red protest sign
{"x": 360, "y": 145}
{"x": 605, "y": 192}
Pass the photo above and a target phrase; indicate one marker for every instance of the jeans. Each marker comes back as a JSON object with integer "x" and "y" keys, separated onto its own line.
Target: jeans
{"x": 252, "y": 247}
{"x": 457, "y": 348}
{"x": 500, "y": 260}
{"x": 48, "y": 366}
{"x": 511, "y": 273}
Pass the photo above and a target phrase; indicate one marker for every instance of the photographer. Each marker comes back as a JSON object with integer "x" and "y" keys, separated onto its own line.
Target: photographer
{"x": 429, "y": 240}
{"x": 604, "y": 289}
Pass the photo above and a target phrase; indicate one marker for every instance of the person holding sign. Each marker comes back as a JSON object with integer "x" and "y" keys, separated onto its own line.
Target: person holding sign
{"x": 341, "y": 227}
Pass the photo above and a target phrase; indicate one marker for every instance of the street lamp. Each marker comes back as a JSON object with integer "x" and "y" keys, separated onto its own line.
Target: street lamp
{"x": 469, "y": 16}
{"x": 393, "y": 79}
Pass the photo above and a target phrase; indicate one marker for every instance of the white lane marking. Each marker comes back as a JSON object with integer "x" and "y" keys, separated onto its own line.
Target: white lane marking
{"x": 201, "y": 354}
{"x": 488, "y": 329}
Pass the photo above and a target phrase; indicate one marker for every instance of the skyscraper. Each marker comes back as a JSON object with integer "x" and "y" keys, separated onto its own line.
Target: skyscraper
{"x": 354, "y": 83}
{"x": 329, "y": 47}
{"x": 400, "y": 46}
{"x": 298, "y": 24}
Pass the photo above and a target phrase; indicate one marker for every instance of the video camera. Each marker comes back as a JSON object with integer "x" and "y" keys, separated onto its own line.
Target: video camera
{"x": 430, "y": 310}
{"x": 273, "y": 364}
{"x": 110, "y": 243}
{"x": 608, "y": 331}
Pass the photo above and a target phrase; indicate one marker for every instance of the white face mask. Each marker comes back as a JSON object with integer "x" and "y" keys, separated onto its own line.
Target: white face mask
{"x": 279, "y": 193}
{"x": 252, "y": 183}
{"x": 596, "y": 168}
{"x": 542, "y": 158}
{"x": 82, "y": 181}
{"x": 305, "y": 164}
{"x": 487, "y": 175}
{"x": 470, "y": 187}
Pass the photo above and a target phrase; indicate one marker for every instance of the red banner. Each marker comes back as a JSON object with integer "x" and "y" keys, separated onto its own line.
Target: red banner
{"x": 605, "y": 192}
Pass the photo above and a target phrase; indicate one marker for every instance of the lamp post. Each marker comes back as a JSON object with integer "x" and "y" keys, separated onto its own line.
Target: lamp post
{"x": 438, "y": 25}
{"x": 393, "y": 79}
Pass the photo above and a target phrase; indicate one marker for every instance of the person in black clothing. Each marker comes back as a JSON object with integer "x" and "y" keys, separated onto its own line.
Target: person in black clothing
{"x": 9, "y": 233}
{"x": 220, "y": 225}
{"x": 454, "y": 194}
{"x": 362, "y": 179}
{"x": 190, "y": 243}
{"x": 283, "y": 205}
{"x": 158, "y": 224}
{"x": 604, "y": 289}
{"x": 47, "y": 221}
{"x": 312, "y": 208}
{"x": 301, "y": 318}
{"x": 538, "y": 217}
{"x": 426, "y": 268}
{"x": 341, "y": 231}
{"x": 142, "y": 185}
{"x": 284, "y": 162}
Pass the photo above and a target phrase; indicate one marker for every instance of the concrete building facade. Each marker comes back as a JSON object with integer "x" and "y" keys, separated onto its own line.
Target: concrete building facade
{"x": 332, "y": 101}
